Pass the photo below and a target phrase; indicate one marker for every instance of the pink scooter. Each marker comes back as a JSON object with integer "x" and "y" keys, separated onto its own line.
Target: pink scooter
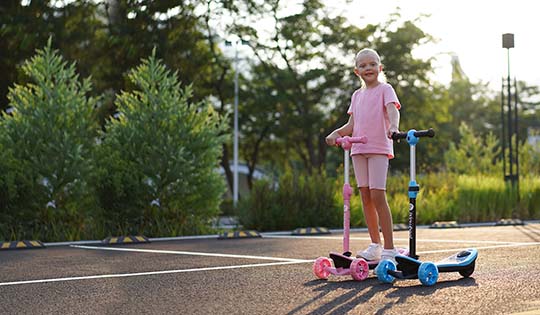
{"x": 344, "y": 264}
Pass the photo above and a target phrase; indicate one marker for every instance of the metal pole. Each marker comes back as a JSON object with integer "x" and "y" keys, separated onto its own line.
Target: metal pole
{"x": 235, "y": 145}
{"x": 509, "y": 96}
{"x": 517, "y": 135}
{"x": 503, "y": 133}
{"x": 413, "y": 189}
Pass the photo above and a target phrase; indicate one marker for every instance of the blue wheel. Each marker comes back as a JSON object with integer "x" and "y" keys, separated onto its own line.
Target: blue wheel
{"x": 428, "y": 273}
{"x": 382, "y": 271}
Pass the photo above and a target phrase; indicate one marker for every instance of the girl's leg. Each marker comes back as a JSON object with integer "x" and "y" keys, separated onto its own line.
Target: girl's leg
{"x": 370, "y": 215}
{"x": 380, "y": 203}
{"x": 378, "y": 171}
{"x": 361, "y": 173}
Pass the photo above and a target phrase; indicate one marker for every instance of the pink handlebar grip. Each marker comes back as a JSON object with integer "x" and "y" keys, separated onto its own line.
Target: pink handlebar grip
{"x": 346, "y": 142}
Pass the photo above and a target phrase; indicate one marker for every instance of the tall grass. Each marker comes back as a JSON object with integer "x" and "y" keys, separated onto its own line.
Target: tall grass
{"x": 465, "y": 198}
{"x": 300, "y": 201}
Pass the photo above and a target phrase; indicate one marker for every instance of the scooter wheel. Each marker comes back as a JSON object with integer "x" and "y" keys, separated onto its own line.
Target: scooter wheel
{"x": 382, "y": 271}
{"x": 428, "y": 273}
{"x": 359, "y": 269}
{"x": 320, "y": 267}
{"x": 467, "y": 272}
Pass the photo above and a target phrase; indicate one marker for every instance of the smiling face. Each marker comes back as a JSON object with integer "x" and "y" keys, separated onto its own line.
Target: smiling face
{"x": 368, "y": 67}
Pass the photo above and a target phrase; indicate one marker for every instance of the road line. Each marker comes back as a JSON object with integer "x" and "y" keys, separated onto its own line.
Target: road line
{"x": 138, "y": 274}
{"x": 156, "y": 251}
{"x": 479, "y": 248}
{"x": 396, "y": 239}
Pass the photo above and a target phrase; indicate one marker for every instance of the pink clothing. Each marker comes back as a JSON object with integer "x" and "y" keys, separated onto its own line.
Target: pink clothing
{"x": 371, "y": 119}
{"x": 370, "y": 170}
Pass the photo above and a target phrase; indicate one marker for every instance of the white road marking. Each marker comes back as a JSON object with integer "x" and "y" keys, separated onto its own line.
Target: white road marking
{"x": 175, "y": 252}
{"x": 137, "y": 274}
{"x": 280, "y": 261}
{"x": 396, "y": 239}
{"x": 479, "y": 248}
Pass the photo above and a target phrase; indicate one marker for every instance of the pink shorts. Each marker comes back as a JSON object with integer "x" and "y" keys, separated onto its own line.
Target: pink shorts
{"x": 370, "y": 170}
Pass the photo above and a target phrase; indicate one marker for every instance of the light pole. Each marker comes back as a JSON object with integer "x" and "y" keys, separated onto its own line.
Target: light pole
{"x": 512, "y": 131}
{"x": 235, "y": 134}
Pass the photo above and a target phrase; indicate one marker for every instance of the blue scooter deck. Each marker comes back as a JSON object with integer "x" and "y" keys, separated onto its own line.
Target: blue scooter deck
{"x": 462, "y": 262}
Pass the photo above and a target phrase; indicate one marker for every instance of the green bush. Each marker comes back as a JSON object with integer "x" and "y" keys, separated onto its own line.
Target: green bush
{"x": 298, "y": 200}
{"x": 46, "y": 147}
{"x": 465, "y": 198}
{"x": 157, "y": 160}
{"x": 473, "y": 154}
{"x": 435, "y": 201}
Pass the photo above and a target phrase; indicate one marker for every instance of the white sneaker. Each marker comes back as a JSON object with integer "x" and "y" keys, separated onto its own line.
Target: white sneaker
{"x": 373, "y": 252}
{"x": 389, "y": 254}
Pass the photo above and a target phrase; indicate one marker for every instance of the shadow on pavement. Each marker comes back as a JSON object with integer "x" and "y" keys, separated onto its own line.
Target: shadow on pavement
{"x": 530, "y": 232}
{"x": 361, "y": 292}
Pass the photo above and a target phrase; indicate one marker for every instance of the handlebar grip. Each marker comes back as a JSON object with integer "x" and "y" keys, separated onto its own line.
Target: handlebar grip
{"x": 425, "y": 133}
{"x": 346, "y": 142}
{"x": 422, "y": 133}
{"x": 362, "y": 139}
{"x": 399, "y": 135}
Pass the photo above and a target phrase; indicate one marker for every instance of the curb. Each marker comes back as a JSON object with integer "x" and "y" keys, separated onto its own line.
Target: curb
{"x": 445, "y": 225}
{"x": 502, "y": 222}
{"x": 130, "y": 239}
{"x": 21, "y": 245}
{"x": 239, "y": 234}
{"x": 311, "y": 231}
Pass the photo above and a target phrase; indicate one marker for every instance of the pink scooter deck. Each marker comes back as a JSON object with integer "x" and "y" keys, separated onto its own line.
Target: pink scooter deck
{"x": 343, "y": 265}
{"x": 343, "y": 261}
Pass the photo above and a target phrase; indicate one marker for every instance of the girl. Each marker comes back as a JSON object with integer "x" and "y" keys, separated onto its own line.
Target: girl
{"x": 374, "y": 112}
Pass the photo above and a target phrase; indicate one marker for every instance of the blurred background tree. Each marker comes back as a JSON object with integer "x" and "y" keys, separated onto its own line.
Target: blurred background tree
{"x": 296, "y": 77}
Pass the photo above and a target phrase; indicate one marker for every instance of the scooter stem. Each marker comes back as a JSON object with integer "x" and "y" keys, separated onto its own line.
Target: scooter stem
{"x": 347, "y": 193}
{"x": 346, "y": 143}
{"x": 412, "y": 137}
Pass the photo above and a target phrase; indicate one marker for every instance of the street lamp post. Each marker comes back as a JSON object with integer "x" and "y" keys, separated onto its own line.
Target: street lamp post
{"x": 235, "y": 134}
{"x": 512, "y": 130}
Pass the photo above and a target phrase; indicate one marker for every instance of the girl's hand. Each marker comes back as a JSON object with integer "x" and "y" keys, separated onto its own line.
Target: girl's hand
{"x": 391, "y": 131}
{"x": 331, "y": 138}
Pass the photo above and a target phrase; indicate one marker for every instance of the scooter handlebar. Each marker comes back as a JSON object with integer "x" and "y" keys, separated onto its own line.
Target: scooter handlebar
{"x": 422, "y": 133}
{"x": 346, "y": 142}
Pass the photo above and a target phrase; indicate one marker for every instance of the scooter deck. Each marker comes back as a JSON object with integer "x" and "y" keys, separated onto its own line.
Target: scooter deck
{"x": 462, "y": 262}
{"x": 344, "y": 260}
{"x": 341, "y": 260}
{"x": 456, "y": 262}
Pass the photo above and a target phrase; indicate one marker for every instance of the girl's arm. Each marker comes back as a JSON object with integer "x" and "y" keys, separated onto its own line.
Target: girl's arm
{"x": 344, "y": 130}
{"x": 393, "y": 116}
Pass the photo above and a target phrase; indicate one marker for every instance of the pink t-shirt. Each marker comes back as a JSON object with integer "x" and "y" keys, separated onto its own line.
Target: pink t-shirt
{"x": 371, "y": 119}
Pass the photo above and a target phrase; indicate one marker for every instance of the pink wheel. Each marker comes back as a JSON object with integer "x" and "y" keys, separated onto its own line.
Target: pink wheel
{"x": 320, "y": 267}
{"x": 359, "y": 269}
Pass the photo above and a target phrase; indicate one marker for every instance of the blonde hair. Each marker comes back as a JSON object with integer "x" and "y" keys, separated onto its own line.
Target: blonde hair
{"x": 369, "y": 51}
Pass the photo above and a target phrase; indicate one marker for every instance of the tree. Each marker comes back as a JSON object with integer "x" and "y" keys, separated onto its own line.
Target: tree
{"x": 306, "y": 65}
{"x": 47, "y": 141}
{"x": 158, "y": 158}
{"x": 473, "y": 154}
{"x": 26, "y": 26}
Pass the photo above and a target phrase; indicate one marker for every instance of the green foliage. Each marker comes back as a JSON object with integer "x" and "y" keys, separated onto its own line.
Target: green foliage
{"x": 473, "y": 154}
{"x": 442, "y": 197}
{"x": 158, "y": 159}
{"x": 299, "y": 200}
{"x": 465, "y": 198}
{"x": 46, "y": 152}
{"x": 529, "y": 159}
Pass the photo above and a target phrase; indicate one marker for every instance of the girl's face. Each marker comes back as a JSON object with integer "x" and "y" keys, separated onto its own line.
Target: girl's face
{"x": 368, "y": 68}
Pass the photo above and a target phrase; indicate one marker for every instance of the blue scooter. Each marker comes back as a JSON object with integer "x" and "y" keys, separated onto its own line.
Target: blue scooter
{"x": 409, "y": 267}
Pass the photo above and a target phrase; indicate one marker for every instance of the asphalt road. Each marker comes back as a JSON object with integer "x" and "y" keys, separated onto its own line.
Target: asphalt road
{"x": 268, "y": 275}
